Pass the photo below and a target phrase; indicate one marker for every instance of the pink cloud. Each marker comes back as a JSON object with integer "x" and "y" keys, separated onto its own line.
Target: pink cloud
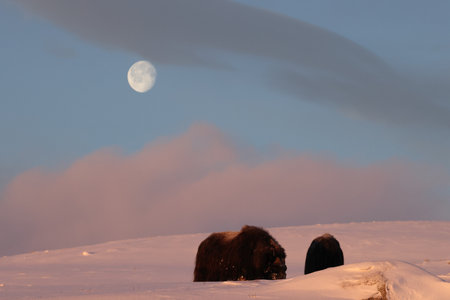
{"x": 201, "y": 181}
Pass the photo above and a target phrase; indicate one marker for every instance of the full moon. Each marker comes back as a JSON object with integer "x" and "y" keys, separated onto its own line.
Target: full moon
{"x": 141, "y": 76}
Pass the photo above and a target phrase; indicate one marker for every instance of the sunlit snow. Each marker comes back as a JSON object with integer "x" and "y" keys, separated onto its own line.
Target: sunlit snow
{"x": 384, "y": 260}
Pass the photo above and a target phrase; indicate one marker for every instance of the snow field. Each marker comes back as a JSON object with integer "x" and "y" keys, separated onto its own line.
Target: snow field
{"x": 383, "y": 260}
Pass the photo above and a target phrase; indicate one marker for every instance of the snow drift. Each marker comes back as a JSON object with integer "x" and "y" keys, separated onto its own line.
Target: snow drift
{"x": 384, "y": 260}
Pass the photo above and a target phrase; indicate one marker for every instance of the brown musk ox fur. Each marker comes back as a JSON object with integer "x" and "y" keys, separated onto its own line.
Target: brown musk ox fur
{"x": 249, "y": 254}
{"x": 324, "y": 252}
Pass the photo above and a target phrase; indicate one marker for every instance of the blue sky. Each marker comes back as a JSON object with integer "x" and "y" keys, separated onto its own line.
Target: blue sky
{"x": 63, "y": 97}
{"x": 64, "y": 92}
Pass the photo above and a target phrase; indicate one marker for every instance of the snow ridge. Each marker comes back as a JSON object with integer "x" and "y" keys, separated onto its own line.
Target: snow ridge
{"x": 383, "y": 260}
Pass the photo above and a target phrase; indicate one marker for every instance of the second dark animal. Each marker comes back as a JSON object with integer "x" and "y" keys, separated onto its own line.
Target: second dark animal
{"x": 324, "y": 252}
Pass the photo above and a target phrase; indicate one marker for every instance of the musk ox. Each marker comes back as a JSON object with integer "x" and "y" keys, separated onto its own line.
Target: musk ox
{"x": 249, "y": 254}
{"x": 323, "y": 253}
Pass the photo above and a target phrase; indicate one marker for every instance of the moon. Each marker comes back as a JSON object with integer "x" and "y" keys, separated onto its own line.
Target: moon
{"x": 141, "y": 76}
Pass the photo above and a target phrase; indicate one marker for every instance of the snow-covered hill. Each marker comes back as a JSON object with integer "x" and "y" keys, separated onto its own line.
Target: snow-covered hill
{"x": 393, "y": 260}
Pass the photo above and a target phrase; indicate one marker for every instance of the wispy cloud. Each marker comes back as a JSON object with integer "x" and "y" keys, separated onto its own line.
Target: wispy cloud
{"x": 179, "y": 32}
{"x": 315, "y": 64}
{"x": 200, "y": 181}
{"x": 383, "y": 97}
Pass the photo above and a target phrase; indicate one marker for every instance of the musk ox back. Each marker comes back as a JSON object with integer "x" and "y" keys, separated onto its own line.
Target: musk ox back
{"x": 249, "y": 254}
{"x": 323, "y": 253}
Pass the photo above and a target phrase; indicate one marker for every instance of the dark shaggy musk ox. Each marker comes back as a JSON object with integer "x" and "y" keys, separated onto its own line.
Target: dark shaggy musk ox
{"x": 249, "y": 254}
{"x": 323, "y": 253}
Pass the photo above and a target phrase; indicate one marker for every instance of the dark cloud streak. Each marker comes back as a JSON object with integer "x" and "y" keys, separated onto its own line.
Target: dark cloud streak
{"x": 390, "y": 99}
{"x": 177, "y": 31}
{"x": 323, "y": 66}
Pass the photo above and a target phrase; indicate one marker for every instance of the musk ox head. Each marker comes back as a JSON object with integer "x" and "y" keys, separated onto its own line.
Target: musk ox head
{"x": 324, "y": 252}
{"x": 249, "y": 254}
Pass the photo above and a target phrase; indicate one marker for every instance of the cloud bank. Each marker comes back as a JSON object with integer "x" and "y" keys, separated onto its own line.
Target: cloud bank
{"x": 313, "y": 64}
{"x": 201, "y": 181}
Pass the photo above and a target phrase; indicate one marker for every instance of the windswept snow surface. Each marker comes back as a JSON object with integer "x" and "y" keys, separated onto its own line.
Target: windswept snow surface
{"x": 383, "y": 260}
